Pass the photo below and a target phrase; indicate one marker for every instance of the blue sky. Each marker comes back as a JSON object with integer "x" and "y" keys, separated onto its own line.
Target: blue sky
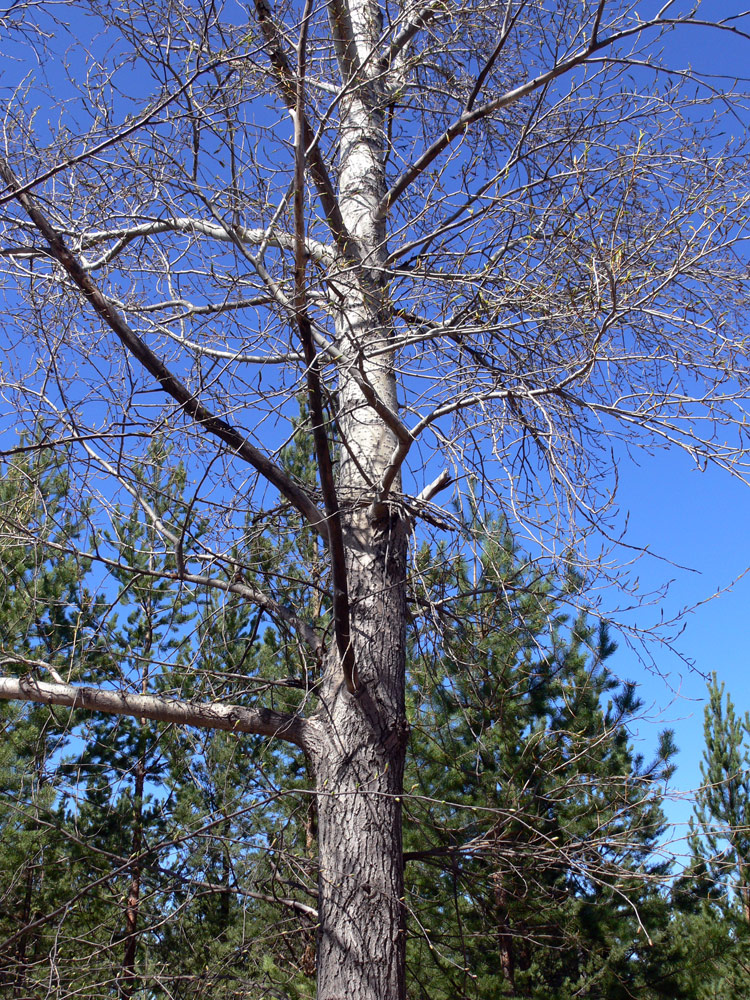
{"x": 697, "y": 520}
{"x": 693, "y": 519}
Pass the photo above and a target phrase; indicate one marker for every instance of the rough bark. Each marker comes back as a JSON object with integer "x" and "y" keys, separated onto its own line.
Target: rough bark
{"x": 361, "y": 737}
{"x": 132, "y": 905}
{"x": 358, "y": 760}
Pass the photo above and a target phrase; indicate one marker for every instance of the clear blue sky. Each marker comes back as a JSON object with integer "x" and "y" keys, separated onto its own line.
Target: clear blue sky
{"x": 694, "y": 519}
{"x": 698, "y": 520}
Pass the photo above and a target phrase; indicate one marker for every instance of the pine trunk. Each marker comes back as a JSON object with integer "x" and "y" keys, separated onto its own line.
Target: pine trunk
{"x": 132, "y": 906}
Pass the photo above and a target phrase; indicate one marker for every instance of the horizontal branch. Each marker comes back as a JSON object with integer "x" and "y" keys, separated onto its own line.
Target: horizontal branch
{"x": 264, "y": 897}
{"x": 184, "y": 224}
{"x": 212, "y": 715}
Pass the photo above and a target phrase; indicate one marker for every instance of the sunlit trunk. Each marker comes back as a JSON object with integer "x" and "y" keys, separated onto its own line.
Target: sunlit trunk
{"x": 359, "y": 762}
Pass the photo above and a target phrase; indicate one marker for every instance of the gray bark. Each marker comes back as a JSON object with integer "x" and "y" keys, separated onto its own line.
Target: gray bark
{"x": 357, "y": 746}
{"x": 361, "y": 737}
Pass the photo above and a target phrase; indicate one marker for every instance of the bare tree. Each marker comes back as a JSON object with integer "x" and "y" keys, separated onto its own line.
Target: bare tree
{"x": 486, "y": 241}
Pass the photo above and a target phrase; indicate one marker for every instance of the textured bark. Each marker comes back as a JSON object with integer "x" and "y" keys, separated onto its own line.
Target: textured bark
{"x": 361, "y": 946}
{"x": 24, "y": 918}
{"x": 358, "y": 758}
{"x": 359, "y": 762}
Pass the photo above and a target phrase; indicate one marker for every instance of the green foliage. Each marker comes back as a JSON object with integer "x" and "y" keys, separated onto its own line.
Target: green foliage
{"x": 532, "y": 824}
{"x": 721, "y": 832}
{"x": 46, "y": 615}
{"x": 704, "y": 950}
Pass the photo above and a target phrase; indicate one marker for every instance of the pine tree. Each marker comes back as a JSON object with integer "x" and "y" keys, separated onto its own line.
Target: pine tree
{"x": 705, "y": 949}
{"x": 531, "y": 822}
{"x": 534, "y": 826}
{"x": 46, "y": 614}
{"x": 721, "y": 831}
{"x": 118, "y": 811}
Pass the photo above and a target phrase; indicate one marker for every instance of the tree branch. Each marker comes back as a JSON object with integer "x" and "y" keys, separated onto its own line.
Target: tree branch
{"x": 184, "y": 224}
{"x": 119, "y": 135}
{"x": 216, "y": 426}
{"x": 414, "y": 23}
{"x": 287, "y": 88}
{"x": 468, "y": 118}
{"x": 213, "y": 715}
{"x": 343, "y": 40}
{"x": 336, "y": 550}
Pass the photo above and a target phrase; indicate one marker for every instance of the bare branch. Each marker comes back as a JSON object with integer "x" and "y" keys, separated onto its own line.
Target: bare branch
{"x": 217, "y": 426}
{"x": 336, "y": 549}
{"x": 230, "y": 718}
{"x": 287, "y": 88}
{"x": 253, "y": 237}
{"x": 469, "y": 118}
{"x": 119, "y": 136}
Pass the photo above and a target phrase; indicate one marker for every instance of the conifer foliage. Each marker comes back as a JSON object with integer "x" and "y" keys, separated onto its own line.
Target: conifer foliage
{"x": 188, "y": 865}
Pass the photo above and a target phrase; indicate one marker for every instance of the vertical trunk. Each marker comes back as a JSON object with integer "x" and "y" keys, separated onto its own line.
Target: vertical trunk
{"x": 359, "y": 761}
{"x": 226, "y": 872}
{"x": 361, "y": 946}
{"x": 505, "y": 936}
{"x": 744, "y": 889}
{"x": 127, "y": 985}
{"x": 24, "y": 920}
{"x": 358, "y": 752}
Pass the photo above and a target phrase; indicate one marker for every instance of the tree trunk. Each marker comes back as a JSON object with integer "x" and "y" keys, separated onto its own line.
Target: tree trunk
{"x": 359, "y": 740}
{"x": 24, "y": 920}
{"x": 128, "y": 983}
{"x": 505, "y": 935}
{"x": 361, "y": 944}
{"x": 358, "y": 761}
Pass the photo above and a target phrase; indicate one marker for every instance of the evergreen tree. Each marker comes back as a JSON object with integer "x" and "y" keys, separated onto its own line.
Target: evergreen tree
{"x": 531, "y": 823}
{"x": 534, "y": 828}
{"x": 721, "y": 830}
{"x": 46, "y": 614}
{"x": 705, "y": 951}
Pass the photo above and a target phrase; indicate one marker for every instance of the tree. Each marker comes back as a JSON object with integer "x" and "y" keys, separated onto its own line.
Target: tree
{"x": 46, "y": 619}
{"x": 107, "y": 823}
{"x": 533, "y": 831}
{"x": 117, "y": 818}
{"x": 722, "y": 807}
{"x": 497, "y": 236}
{"x": 701, "y": 952}
{"x": 549, "y": 797}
